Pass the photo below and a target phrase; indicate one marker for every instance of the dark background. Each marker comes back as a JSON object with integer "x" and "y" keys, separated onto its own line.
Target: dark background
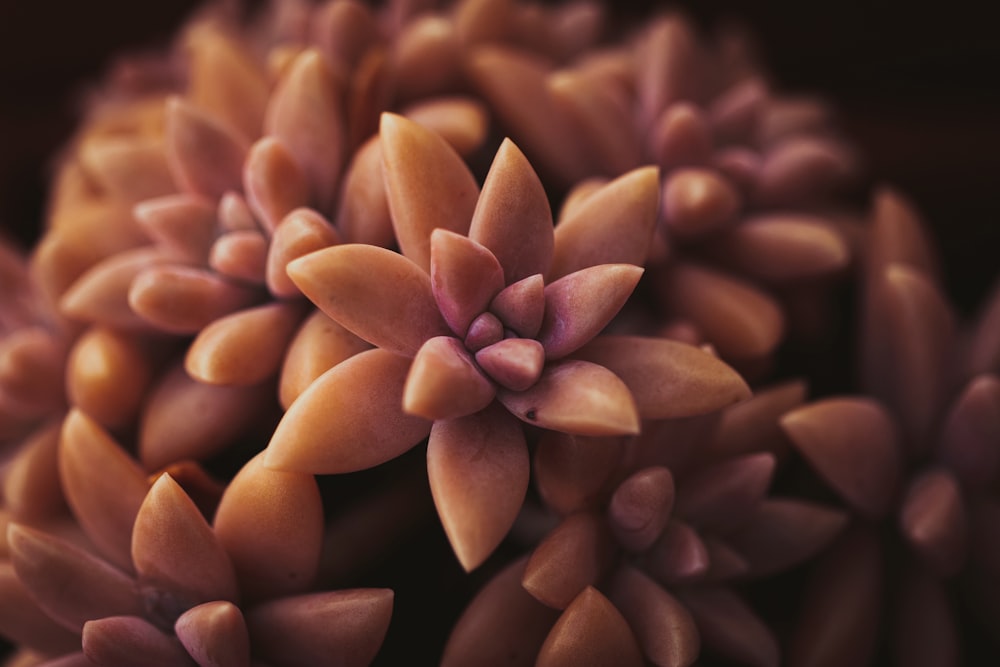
{"x": 916, "y": 85}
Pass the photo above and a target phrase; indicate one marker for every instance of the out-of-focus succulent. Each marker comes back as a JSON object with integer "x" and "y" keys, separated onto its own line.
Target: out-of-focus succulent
{"x": 916, "y": 457}
{"x": 155, "y": 583}
{"x": 663, "y": 547}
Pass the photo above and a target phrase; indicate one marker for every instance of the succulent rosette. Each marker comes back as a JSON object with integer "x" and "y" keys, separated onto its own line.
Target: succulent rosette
{"x": 149, "y": 581}
{"x": 487, "y": 321}
{"x": 653, "y": 533}
{"x": 914, "y": 460}
{"x": 750, "y": 238}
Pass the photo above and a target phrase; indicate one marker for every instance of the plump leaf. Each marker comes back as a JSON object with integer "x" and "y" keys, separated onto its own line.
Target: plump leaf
{"x": 576, "y": 397}
{"x": 513, "y": 218}
{"x": 377, "y": 294}
{"x": 478, "y": 468}
{"x": 428, "y": 186}
{"x": 578, "y": 306}
{"x": 351, "y": 418}
{"x": 668, "y": 379}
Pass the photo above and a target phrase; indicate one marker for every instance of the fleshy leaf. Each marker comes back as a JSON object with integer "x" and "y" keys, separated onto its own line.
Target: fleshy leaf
{"x": 182, "y": 300}
{"x": 306, "y": 113}
{"x": 571, "y": 471}
{"x": 785, "y": 247}
{"x": 640, "y": 507}
{"x": 103, "y": 485}
{"x": 503, "y": 626}
{"x": 515, "y": 83}
{"x": 204, "y": 155}
{"x": 319, "y": 345}
{"x": 225, "y": 79}
{"x": 512, "y": 217}
{"x": 375, "y": 293}
{"x": 722, "y": 495}
{"x": 854, "y": 445}
{"x": 590, "y": 632}
{"x": 729, "y": 627}
{"x": 578, "y": 306}
{"x": 187, "y": 419}
{"x": 971, "y": 431}
{"x": 101, "y": 295}
{"x": 336, "y": 627}
{"x": 933, "y": 521}
{"x": 576, "y": 397}
{"x": 123, "y": 641}
{"x": 24, "y": 623}
{"x": 782, "y": 533}
{"x": 363, "y": 211}
{"x": 70, "y": 584}
{"x": 175, "y": 551}
{"x": 664, "y": 628}
{"x": 428, "y": 186}
{"x": 351, "y": 418}
{"x": 737, "y": 318}
{"x": 515, "y": 363}
{"x": 465, "y": 276}
{"x": 614, "y": 225}
{"x": 478, "y": 468}
{"x": 273, "y": 182}
{"x": 682, "y": 137}
{"x": 182, "y": 222}
{"x": 244, "y": 348}
{"x": 521, "y": 306}
{"x": 668, "y": 379}
{"x": 107, "y": 375}
{"x": 698, "y": 201}
{"x": 679, "y": 556}
{"x": 576, "y": 554}
{"x": 272, "y": 555}
{"x": 444, "y": 382}
{"x": 214, "y": 634}
{"x": 299, "y": 233}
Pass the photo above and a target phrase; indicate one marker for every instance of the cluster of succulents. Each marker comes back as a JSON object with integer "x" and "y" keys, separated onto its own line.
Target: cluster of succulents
{"x": 326, "y": 283}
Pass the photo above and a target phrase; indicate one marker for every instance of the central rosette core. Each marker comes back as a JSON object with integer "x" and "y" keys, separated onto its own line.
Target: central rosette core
{"x": 502, "y": 339}
{"x": 509, "y": 331}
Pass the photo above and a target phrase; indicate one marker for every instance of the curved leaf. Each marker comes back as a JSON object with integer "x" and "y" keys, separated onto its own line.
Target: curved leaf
{"x": 444, "y": 382}
{"x": 271, "y": 524}
{"x": 377, "y": 294}
{"x": 350, "y": 418}
{"x": 465, "y": 276}
{"x": 590, "y": 632}
{"x": 103, "y": 485}
{"x": 336, "y": 627}
{"x": 614, "y": 225}
{"x": 578, "y": 306}
{"x": 478, "y": 468}
{"x": 854, "y": 445}
{"x": 512, "y": 217}
{"x": 576, "y": 397}
{"x": 204, "y": 155}
{"x": 175, "y": 550}
{"x": 576, "y": 554}
{"x": 428, "y": 186}
{"x": 244, "y": 348}
{"x": 214, "y": 634}
{"x": 306, "y": 113}
{"x": 668, "y": 379}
